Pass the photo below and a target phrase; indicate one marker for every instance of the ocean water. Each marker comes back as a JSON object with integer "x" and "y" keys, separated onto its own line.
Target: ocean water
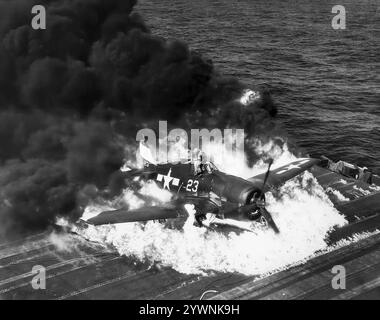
{"x": 325, "y": 81}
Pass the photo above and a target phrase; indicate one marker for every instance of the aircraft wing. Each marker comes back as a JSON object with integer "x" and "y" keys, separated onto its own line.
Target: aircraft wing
{"x": 280, "y": 175}
{"x": 141, "y": 214}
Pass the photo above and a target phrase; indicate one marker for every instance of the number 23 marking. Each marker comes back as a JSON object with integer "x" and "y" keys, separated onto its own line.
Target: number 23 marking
{"x": 192, "y": 185}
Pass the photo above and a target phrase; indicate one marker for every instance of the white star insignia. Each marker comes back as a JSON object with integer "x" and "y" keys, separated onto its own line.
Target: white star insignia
{"x": 295, "y": 165}
{"x": 167, "y": 179}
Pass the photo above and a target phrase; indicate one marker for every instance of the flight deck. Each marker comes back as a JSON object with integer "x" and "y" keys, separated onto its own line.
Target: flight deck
{"x": 92, "y": 271}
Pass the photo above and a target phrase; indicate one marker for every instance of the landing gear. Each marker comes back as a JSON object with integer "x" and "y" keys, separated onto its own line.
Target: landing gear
{"x": 199, "y": 218}
{"x": 258, "y": 200}
{"x": 260, "y": 213}
{"x": 254, "y": 215}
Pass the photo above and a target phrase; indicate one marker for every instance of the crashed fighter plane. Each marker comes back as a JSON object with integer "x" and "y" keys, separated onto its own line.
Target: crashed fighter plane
{"x": 219, "y": 199}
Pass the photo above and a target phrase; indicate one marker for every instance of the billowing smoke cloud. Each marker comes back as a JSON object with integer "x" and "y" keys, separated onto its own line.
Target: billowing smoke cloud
{"x": 73, "y": 94}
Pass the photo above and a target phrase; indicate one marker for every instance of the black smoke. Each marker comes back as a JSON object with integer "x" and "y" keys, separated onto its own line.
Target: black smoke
{"x": 72, "y": 95}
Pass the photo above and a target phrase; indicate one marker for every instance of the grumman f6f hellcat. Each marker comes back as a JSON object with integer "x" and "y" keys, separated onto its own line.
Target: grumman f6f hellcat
{"x": 219, "y": 199}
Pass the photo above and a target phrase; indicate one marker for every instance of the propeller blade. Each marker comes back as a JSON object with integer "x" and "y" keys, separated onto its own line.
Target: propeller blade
{"x": 141, "y": 214}
{"x": 267, "y": 174}
{"x": 265, "y": 213}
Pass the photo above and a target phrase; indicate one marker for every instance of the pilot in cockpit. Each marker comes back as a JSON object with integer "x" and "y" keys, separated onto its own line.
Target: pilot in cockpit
{"x": 198, "y": 161}
{"x": 200, "y": 164}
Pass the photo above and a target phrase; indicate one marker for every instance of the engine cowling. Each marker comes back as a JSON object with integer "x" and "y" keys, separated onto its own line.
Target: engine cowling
{"x": 235, "y": 189}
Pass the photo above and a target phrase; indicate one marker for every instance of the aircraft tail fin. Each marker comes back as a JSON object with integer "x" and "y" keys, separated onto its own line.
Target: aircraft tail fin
{"x": 146, "y": 153}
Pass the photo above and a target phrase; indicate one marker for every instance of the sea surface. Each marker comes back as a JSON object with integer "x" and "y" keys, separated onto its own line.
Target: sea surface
{"x": 325, "y": 81}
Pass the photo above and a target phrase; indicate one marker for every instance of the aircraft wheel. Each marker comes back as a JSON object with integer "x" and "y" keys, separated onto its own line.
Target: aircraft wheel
{"x": 254, "y": 215}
